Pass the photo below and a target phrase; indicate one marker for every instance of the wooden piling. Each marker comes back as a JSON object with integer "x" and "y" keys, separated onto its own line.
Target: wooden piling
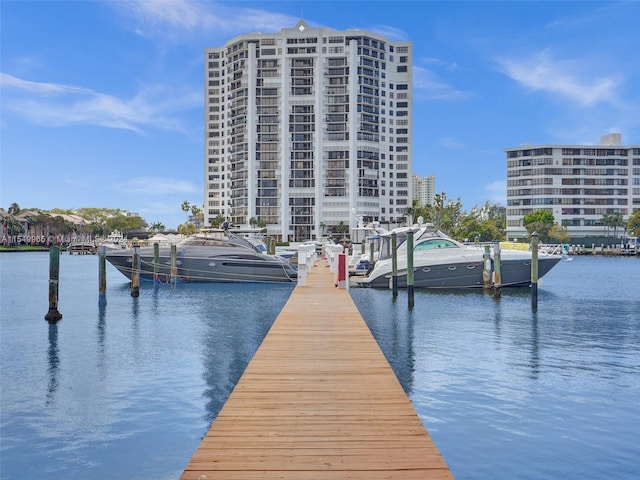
{"x": 497, "y": 285}
{"x": 174, "y": 263}
{"x": 534, "y": 271}
{"x": 53, "y": 315}
{"x": 394, "y": 264}
{"x": 410, "y": 284}
{"x": 156, "y": 262}
{"x": 102, "y": 270}
{"x": 486, "y": 267}
{"x": 135, "y": 272}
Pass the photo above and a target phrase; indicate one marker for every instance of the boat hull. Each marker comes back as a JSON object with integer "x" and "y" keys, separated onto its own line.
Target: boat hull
{"x": 467, "y": 274}
{"x": 194, "y": 266}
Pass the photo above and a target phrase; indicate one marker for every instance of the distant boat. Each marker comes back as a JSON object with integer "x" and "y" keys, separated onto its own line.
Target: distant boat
{"x": 81, "y": 248}
{"x": 441, "y": 262}
{"x": 115, "y": 241}
{"x": 214, "y": 255}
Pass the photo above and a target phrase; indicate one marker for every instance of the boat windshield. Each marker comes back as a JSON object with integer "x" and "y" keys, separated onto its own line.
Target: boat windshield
{"x": 434, "y": 243}
{"x": 425, "y": 237}
{"x": 218, "y": 239}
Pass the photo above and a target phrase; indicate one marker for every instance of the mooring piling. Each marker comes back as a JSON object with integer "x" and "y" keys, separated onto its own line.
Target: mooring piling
{"x": 102, "y": 271}
{"x": 135, "y": 272}
{"x": 534, "y": 271}
{"x": 410, "y": 285}
{"x": 486, "y": 267}
{"x": 497, "y": 286}
{"x": 394, "y": 264}
{"x": 174, "y": 263}
{"x": 156, "y": 262}
{"x": 53, "y": 315}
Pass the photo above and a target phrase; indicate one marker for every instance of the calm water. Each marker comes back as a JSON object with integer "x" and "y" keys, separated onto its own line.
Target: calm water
{"x": 127, "y": 389}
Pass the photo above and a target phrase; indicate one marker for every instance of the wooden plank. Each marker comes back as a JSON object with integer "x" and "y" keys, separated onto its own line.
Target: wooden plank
{"x": 318, "y": 401}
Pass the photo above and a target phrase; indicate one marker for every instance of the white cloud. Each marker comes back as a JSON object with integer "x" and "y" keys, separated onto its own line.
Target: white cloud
{"x": 427, "y": 87}
{"x": 39, "y": 87}
{"x": 497, "y": 191}
{"x": 54, "y": 104}
{"x": 449, "y": 66}
{"x": 565, "y": 78}
{"x": 450, "y": 142}
{"x": 391, "y": 33}
{"x": 176, "y": 17}
{"x": 156, "y": 186}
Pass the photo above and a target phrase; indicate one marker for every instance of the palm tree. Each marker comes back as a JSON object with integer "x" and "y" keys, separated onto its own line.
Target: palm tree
{"x": 157, "y": 227}
{"x": 14, "y": 209}
{"x": 197, "y": 214}
{"x": 341, "y": 227}
{"x": 617, "y": 221}
{"x": 216, "y": 221}
{"x": 185, "y": 208}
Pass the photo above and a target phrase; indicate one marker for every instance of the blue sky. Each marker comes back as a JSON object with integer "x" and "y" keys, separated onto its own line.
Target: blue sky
{"x": 102, "y": 102}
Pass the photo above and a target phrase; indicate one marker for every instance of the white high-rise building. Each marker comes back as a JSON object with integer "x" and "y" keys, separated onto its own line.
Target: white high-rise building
{"x": 306, "y": 127}
{"x": 424, "y": 189}
{"x": 579, "y": 184}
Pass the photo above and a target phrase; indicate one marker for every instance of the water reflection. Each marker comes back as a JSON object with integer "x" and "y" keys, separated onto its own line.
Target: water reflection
{"x": 534, "y": 361}
{"x": 232, "y": 335}
{"x": 54, "y": 364}
{"x": 101, "y": 336}
{"x": 392, "y": 324}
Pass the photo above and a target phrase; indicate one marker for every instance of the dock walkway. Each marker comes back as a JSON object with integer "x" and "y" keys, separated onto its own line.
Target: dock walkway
{"x": 318, "y": 401}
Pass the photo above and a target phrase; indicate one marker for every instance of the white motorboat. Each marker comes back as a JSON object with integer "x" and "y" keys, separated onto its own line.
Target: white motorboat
{"x": 115, "y": 241}
{"x": 215, "y": 255}
{"x": 442, "y": 262}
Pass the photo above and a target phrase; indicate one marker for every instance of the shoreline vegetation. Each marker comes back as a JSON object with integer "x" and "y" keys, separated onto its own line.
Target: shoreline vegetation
{"x": 24, "y": 248}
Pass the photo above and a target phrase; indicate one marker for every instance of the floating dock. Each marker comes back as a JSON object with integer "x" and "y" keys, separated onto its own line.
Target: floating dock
{"x": 318, "y": 401}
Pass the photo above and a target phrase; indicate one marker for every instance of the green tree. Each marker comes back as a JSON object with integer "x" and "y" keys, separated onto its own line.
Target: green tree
{"x": 13, "y": 226}
{"x": 613, "y": 220}
{"x": 469, "y": 227}
{"x": 186, "y": 206}
{"x": 540, "y": 221}
{"x": 559, "y": 234}
{"x": 197, "y": 215}
{"x": 444, "y": 214}
{"x": 539, "y": 216}
{"x": 633, "y": 225}
{"x": 341, "y": 227}
{"x": 436, "y": 211}
{"x": 157, "y": 227}
{"x": 97, "y": 229}
{"x": 126, "y": 223}
{"x": 410, "y": 212}
{"x": 253, "y": 221}
{"x": 14, "y": 209}
{"x": 216, "y": 221}
{"x": 187, "y": 228}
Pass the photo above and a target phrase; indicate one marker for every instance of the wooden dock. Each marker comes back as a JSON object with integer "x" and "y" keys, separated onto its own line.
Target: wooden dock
{"x": 318, "y": 401}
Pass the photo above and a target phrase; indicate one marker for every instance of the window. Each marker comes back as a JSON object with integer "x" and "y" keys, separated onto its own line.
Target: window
{"x": 434, "y": 244}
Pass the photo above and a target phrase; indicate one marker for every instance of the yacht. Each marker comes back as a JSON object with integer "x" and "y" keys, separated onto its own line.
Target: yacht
{"x": 214, "y": 255}
{"x": 442, "y": 262}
